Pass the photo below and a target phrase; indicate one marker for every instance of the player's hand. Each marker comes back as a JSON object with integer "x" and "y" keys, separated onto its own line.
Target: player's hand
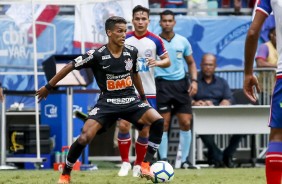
{"x": 42, "y": 93}
{"x": 151, "y": 62}
{"x": 193, "y": 89}
{"x": 251, "y": 86}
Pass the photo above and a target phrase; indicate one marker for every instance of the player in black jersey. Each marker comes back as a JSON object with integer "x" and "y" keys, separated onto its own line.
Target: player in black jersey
{"x": 115, "y": 69}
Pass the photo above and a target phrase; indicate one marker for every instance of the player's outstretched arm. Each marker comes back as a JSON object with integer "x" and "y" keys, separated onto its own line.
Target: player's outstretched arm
{"x": 43, "y": 92}
{"x": 250, "y": 81}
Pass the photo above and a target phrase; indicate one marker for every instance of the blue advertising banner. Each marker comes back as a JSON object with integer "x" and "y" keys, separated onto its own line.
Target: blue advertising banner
{"x": 222, "y": 36}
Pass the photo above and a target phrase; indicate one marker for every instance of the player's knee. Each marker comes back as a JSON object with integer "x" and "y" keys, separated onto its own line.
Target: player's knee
{"x": 166, "y": 126}
{"x": 185, "y": 125}
{"x": 124, "y": 126}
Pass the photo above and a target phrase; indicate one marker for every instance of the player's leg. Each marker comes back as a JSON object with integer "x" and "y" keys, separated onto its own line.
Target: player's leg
{"x": 153, "y": 118}
{"x": 185, "y": 139}
{"x": 141, "y": 145}
{"x": 163, "y": 148}
{"x": 124, "y": 143}
{"x": 89, "y": 131}
{"x": 273, "y": 161}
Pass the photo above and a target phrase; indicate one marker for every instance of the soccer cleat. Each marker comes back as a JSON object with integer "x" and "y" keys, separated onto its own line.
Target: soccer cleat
{"x": 64, "y": 179}
{"x": 124, "y": 169}
{"x": 145, "y": 171}
{"x": 136, "y": 171}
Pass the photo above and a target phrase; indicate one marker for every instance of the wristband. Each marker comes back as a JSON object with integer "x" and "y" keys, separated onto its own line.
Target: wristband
{"x": 48, "y": 87}
{"x": 143, "y": 97}
{"x": 195, "y": 80}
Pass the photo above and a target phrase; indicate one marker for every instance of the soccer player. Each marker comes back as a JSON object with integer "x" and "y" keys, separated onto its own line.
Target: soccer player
{"x": 173, "y": 89}
{"x": 114, "y": 66}
{"x": 273, "y": 160}
{"x": 149, "y": 46}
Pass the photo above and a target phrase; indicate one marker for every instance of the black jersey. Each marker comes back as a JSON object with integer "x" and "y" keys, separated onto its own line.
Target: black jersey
{"x": 113, "y": 75}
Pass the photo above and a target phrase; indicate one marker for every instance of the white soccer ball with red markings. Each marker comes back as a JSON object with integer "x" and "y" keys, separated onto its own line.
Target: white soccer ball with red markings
{"x": 163, "y": 172}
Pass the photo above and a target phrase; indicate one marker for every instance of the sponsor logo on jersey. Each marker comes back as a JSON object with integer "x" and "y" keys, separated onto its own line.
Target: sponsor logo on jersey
{"x": 90, "y": 52}
{"x": 148, "y": 53}
{"x": 94, "y": 111}
{"x": 143, "y": 105}
{"x": 120, "y": 100}
{"x": 106, "y": 57}
{"x": 79, "y": 61}
{"x": 129, "y": 47}
{"x": 128, "y": 64}
{"x": 119, "y": 84}
{"x": 142, "y": 64}
{"x": 104, "y": 67}
{"x": 126, "y": 54}
{"x": 102, "y": 48}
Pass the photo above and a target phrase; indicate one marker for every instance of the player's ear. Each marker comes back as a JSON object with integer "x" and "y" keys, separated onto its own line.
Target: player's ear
{"x": 109, "y": 32}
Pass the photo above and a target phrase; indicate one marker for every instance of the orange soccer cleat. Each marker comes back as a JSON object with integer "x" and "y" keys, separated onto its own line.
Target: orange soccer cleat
{"x": 145, "y": 171}
{"x": 64, "y": 179}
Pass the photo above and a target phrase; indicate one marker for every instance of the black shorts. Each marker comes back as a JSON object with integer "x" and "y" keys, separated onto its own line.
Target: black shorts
{"x": 173, "y": 94}
{"x": 109, "y": 109}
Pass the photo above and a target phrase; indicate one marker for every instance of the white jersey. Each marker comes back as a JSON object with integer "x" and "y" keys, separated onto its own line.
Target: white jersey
{"x": 149, "y": 45}
{"x": 267, "y": 6}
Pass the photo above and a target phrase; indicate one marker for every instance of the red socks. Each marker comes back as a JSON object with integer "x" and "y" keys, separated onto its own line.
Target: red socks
{"x": 141, "y": 148}
{"x": 273, "y": 163}
{"x": 124, "y": 143}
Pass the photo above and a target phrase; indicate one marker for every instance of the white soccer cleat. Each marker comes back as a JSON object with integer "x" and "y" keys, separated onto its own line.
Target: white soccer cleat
{"x": 136, "y": 171}
{"x": 124, "y": 169}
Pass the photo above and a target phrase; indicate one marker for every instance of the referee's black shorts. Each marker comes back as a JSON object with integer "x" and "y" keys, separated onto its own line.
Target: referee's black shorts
{"x": 173, "y": 93}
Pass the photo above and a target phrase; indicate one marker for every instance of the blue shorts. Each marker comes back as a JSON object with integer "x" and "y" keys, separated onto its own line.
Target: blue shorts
{"x": 152, "y": 101}
{"x": 275, "y": 120}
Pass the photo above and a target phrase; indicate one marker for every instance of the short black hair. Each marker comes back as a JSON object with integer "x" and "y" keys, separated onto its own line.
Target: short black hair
{"x": 140, "y": 8}
{"x": 112, "y": 21}
{"x": 166, "y": 12}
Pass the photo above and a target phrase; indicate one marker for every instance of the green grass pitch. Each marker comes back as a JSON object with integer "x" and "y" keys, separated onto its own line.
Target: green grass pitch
{"x": 109, "y": 176}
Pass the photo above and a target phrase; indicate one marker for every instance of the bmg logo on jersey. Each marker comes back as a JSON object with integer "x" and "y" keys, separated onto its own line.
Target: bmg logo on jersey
{"x": 51, "y": 111}
{"x": 142, "y": 64}
{"x": 119, "y": 84}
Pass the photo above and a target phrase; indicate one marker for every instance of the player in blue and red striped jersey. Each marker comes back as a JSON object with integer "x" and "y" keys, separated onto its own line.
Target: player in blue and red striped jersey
{"x": 149, "y": 47}
{"x": 274, "y": 152}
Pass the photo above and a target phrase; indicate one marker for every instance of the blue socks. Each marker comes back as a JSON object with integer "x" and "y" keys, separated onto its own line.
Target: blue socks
{"x": 185, "y": 142}
{"x": 163, "y": 146}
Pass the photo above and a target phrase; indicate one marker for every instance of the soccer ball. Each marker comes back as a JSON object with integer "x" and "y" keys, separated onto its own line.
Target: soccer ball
{"x": 162, "y": 171}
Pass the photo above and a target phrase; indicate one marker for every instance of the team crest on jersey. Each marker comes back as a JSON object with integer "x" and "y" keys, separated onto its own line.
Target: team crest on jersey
{"x": 128, "y": 64}
{"x": 90, "y": 52}
{"x": 148, "y": 53}
{"x": 94, "y": 111}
